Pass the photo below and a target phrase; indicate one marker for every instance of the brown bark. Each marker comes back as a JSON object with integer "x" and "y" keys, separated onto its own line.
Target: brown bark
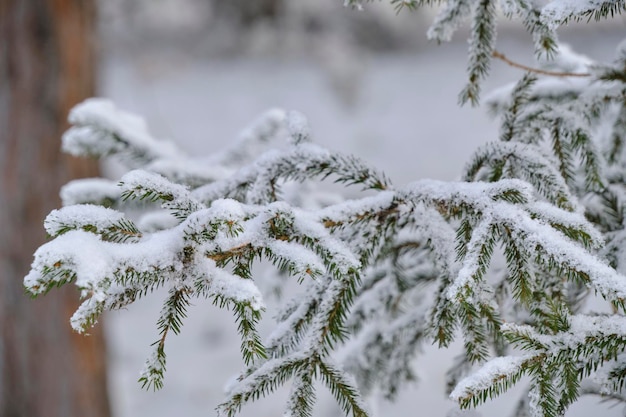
{"x": 46, "y": 66}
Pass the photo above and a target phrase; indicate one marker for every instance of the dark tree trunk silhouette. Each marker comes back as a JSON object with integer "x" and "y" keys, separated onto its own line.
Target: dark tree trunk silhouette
{"x": 46, "y": 66}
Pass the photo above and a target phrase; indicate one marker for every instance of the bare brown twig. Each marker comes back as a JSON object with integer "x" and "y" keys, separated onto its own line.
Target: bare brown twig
{"x": 502, "y": 57}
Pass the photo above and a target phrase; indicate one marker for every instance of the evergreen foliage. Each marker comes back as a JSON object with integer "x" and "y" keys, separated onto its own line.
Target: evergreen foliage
{"x": 393, "y": 269}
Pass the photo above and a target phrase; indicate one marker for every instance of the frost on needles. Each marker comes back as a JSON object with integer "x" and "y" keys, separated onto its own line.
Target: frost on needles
{"x": 383, "y": 273}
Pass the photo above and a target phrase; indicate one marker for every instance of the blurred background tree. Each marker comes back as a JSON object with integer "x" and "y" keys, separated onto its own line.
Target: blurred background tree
{"x": 46, "y": 66}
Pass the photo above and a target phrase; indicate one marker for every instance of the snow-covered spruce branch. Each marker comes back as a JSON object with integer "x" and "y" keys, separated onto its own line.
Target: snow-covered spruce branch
{"x": 100, "y": 129}
{"x": 580, "y": 126}
{"x": 540, "y": 19}
{"x": 578, "y": 348}
{"x": 302, "y": 330}
{"x": 365, "y": 263}
{"x": 566, "y": 138}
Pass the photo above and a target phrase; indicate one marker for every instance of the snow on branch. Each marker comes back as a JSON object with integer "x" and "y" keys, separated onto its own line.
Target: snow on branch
{"x": 100, "y": 129}
{"x": 539, "y": 18}
{"x": 490, "y": 380}
{"x": 99, "y": 191}
{"x": 546, "y": 202}
{"x": 258, "y": 183}
{"x": 559, "y": 12}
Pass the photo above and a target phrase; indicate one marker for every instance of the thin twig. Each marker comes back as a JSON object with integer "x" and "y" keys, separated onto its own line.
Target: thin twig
{"x": 501, "y": 56}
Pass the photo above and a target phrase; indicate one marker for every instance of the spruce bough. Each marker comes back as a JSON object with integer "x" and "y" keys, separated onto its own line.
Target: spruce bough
{"x": 389, "y": 271}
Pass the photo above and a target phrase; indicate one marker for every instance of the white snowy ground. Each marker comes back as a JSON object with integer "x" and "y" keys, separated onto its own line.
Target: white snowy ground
{"x": 406, "y": 122}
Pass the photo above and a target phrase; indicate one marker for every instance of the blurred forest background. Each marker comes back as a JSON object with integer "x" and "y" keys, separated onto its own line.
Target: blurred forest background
{"x": 199, "y": 71}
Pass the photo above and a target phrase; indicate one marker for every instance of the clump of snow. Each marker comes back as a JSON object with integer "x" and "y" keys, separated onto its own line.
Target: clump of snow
{"x": 227, "y": 285}
{"x": 298, "y": 126}
{"x": 223, "y": 211}
{"x": 95, "y": 262}
{"x": 144, "y": 180}
{"x": 79, "y": 216}
{"x": 227, "y": 208}
{"x": 449, "y": 19}
{"x": 556, "y": 12}
{"x": 489, "y": 374}
{"x": 90, "y": 141}
{"x": 89, "y": 190}
{"x": 100, "y": 125}
{"x": 303, "y": 260}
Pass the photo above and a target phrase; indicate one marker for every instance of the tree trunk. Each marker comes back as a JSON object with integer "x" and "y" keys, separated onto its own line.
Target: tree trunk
{"x": 46, "y": 66}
